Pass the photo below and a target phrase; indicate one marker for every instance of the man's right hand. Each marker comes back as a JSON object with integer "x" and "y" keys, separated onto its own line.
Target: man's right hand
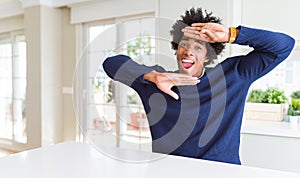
{"x": 208, "y": 32}
{"x": 165, "y": 81}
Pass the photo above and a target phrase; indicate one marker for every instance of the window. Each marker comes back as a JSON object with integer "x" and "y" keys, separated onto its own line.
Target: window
{"x": 284, "y": 76}
{"x": 114, "y": 113}
{"x": 13, "y": 87}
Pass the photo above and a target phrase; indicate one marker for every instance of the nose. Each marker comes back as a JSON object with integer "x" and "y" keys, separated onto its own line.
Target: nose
{"x": 188, "y": 51}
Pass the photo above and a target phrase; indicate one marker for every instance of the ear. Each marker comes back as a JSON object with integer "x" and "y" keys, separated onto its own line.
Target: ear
{"x": 206, "y": 59}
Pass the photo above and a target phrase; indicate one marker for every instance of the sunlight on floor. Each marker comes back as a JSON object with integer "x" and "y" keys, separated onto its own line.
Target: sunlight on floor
{"x": 4, "y": 153}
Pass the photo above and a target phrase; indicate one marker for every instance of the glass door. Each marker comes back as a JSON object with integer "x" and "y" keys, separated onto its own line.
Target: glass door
{"x": 13, "y": 88}
{"x": 110, "y": 112}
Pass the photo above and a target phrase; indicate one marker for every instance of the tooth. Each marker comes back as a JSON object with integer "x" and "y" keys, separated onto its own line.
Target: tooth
{"x": 186, "y": 60}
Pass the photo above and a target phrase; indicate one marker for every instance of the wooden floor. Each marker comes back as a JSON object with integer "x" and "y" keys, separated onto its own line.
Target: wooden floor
{"x": 5, "y": 152}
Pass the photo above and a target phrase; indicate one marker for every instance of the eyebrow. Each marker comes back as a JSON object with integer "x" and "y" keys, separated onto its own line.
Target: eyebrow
{"x": 198, "y": 41}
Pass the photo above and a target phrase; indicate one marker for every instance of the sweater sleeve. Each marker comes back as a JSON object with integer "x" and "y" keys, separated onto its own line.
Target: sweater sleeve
{"x": 123, "y": 69}
{"x": 270, "y": 49}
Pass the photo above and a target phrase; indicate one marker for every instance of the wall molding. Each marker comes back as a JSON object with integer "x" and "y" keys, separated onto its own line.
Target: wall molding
{"x": 31, "y": 3}
{"x": 108, "y": 9}
{"x": 50, "y": 3}
{"x": 10, "y": 8}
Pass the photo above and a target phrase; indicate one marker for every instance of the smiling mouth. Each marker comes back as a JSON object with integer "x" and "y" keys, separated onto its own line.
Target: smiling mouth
{"x": 187, "y": 63}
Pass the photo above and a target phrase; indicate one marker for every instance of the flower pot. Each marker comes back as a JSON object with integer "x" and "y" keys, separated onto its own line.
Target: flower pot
{"x": 294, "y": 119}
{"x": 265, "y": 111}
{"x": 138, "y": 120}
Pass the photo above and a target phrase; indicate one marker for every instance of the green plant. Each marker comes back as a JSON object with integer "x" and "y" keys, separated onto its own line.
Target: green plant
{"x": 294, "y": 106}
{"x": 271, "y": 95}
{"x": 295, "y": 95}
{"x": 275, "y": 96}
{"x": 292, "y": 111}
{"x": 98, "y": 80}
{"x": 110, "y": 91}
{"x": 132, "y": 97}
{"x": 256, "y": 96}
{"x": 138, "y": 47}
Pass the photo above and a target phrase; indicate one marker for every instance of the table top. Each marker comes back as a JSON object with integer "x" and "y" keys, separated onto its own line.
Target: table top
{"x": 271, "y": 128}
{"x": 79, "y": 160}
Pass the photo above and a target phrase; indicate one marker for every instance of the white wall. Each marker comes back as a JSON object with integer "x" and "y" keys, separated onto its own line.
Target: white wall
{"x": 44, "y": 55}
{"x": 278, "y": 15}
{"x": 33, "y": 93}
{"x": 101, "y": 10}
{"x": 12, "y": 23}
{"x": 174, "y": 8}
{"x": 51, "y": 73}
{"x": 271, "y": 152}
{"x": 68, "y": 69}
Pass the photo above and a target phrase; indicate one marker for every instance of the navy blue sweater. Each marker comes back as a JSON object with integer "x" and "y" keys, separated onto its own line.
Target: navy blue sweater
{"x": 206, "y": 120}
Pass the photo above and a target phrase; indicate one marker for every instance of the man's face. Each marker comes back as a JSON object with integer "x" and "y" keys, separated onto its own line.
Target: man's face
{"x": 191, "y": 55}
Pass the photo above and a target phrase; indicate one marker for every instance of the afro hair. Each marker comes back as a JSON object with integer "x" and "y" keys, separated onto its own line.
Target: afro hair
{"x": 196, "y": 16}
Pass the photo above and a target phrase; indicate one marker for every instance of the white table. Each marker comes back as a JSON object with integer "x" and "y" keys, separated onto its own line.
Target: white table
{"x": 271, "y": 128}
{"x": 77, "y": 160}
{"x": 271, "y": 145}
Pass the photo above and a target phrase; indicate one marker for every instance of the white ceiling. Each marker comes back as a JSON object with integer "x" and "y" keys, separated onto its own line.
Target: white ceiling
{"x": 10, "y": 8}
{"x": 51, "y": 3}
{"x": 16, "y": 7}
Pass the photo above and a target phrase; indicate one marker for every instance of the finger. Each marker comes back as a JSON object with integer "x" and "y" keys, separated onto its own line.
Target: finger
{"x": 188, "y": 79}
{"x": 191, "y": 30}
{"x": 185, "y": 79}
{"x": 175, "y": 77}
{"x": 172, "y": 94}
{"x": 196, "y": 28}
{"x": 181, "y": 83}
{"x": 198, "y": 24}
{"x": 182, "y": 77}
{"x": 201, "y": 36}
{"x": 194, "y": 36}
{"x": 211, "y": 35}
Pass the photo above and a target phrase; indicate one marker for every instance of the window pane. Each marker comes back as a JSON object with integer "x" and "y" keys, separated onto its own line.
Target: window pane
{"x": 6, "y": 87}
{"x": 6, "y": 120}
{"x": 6, "y": 105}
{"x": 140, "y": 46}
{"x": 20, "y": 60}
{"x": 110, "y": 100}
{"x": 101, "y": 105}
{"x": 5, "y": 59}
{"x": 19, "y": 121}
{"x": 13, "y": 87}
{"x": 19, "y": 91}
{"x": 284, "y": 76}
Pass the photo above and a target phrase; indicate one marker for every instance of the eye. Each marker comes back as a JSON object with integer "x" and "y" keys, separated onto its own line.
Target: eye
{"x": 183, "y": 44}
{"x": 198, "y": 48}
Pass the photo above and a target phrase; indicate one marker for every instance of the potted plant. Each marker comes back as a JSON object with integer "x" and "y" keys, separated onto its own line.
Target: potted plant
{"x": 103, "y": 93}
{"x": 137, "y": 115}
{"x": 266, "y": 105}
{"x": 295, "y": 95}
{"x": 294, "y": 108}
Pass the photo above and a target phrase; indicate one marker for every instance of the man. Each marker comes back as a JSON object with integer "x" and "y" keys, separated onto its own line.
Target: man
{"x": 197, "y": 111}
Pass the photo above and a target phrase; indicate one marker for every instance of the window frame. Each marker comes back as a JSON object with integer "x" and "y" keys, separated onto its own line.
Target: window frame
{"x": 84, "y": 75}
{"x": 12, "y": 143}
